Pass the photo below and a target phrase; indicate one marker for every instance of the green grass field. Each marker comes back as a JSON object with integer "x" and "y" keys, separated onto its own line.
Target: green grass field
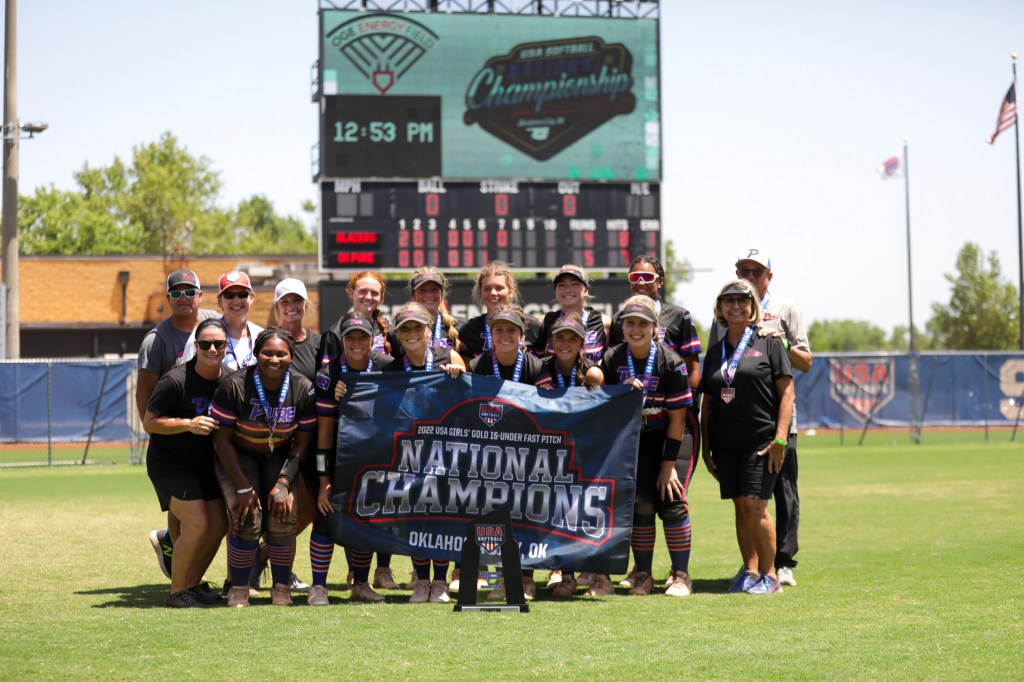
{"x": 910, "y": 566}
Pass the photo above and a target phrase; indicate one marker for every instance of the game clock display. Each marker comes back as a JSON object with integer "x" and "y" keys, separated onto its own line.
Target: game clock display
{"x": 461, "y": 226}
{"x": 368, "y": 136}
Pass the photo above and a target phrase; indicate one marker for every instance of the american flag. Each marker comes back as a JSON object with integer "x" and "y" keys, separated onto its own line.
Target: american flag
{"x": 1007, "y": 113}
{"x": 891, "y": 167}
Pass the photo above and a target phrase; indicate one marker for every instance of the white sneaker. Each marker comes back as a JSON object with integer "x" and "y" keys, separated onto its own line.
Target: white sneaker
{"x": 439, "y": 592}
{"x": 629, "y": 580}
{"x": 678, "y": 584}
{"x": 554, "y": 578}
{"x": 786, "y": 576}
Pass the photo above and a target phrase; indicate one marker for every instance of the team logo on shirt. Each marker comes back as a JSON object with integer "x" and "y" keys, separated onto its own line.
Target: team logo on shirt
{"x": 490, "y": 538}
{"x": 491, "y": 413}
{"x": 323, "y": 382}
{"x": 862, "y": 386}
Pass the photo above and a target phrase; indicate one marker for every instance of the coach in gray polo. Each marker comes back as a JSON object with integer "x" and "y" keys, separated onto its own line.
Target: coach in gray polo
{"x": 779, "y": 317}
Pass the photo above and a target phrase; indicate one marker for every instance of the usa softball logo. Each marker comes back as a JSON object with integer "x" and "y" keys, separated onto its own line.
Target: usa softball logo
{"x": 491, "y": 413}
{"x": 382, "y": 47}
{"x": 490, "y": 539}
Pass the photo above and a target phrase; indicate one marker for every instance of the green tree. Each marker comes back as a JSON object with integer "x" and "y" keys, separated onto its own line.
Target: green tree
{"x": 846, "y": 335}
{"x": 164, "y": 202}
{"x": 982, "y": 313}
{"x": 677, "y": 270}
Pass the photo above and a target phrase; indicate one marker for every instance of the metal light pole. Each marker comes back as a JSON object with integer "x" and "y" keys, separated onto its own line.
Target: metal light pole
{"x": 11, "y": 133}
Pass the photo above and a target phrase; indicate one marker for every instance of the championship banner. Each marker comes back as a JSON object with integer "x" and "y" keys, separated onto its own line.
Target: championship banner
{"x": 419, "y": 455}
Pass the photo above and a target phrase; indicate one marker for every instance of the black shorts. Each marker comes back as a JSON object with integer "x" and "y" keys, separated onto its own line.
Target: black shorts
{"x": 742, "y": 473}
{"x": 648, "y": 500}
{"x": 186, "y": 481}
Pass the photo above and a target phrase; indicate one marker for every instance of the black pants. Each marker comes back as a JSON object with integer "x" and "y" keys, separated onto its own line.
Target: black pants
{"x": 787, "y": 509}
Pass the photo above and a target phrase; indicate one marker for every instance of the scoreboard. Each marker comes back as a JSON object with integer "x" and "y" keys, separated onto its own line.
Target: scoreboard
{"x": 461, "y": 226}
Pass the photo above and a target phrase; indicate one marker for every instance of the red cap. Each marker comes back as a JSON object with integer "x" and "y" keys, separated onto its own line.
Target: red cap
{"x": 234, "y": 279}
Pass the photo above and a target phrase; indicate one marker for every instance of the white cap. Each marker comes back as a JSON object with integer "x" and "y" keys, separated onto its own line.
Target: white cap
{"x": 290, "y": 286}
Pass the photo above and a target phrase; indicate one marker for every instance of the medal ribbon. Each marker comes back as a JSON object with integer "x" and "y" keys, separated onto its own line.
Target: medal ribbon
{"x": 231, "y": 348}
{"x": 648, "y": 369}
{"x": 561, "y": 380}
{"x": 729, "y": 371}
{"x": 764, "y": 301}
{"x": 436, "y": 336}
{"x": 266, "y": 405}
{"x": 516, "y": 373}
{"x": 488, "y": 342}
{"x": 429, "y": 362}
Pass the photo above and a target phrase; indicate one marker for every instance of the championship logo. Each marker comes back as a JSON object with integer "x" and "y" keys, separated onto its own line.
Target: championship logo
{"x": 382, "y": 47}
{"x": 862, "y": 386}
{"x": 490, "y": 538}
{"x": 543, "y": 97}
{"x": 491, "y": 413}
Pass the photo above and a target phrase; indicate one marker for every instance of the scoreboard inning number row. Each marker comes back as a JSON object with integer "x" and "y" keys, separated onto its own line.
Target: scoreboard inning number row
{"x": 461, "y": 226}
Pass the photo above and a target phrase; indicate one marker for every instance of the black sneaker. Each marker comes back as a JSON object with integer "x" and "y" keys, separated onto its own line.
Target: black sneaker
{"x": 207, "y": 594}
{"x": 185, "y": 599}
{"x": 160, "y": 541}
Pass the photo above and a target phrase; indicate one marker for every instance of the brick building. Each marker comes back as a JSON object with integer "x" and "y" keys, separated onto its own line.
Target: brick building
{"x": 76, "y": 306}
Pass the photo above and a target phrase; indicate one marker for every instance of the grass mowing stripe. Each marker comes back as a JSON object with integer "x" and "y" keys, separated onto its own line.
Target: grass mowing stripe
{"x": 908, "y": 564}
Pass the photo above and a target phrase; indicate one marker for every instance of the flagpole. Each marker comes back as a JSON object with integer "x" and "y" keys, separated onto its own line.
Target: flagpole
{"x": 915, "y": 434}
{"x": 1020, "y": 232}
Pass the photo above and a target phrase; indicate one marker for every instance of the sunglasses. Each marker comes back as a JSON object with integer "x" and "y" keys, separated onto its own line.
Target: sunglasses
{"x": 733, "y": 300}
{"x": 756, "y": 273}
{"x": 643, "y": 277}
{"x": 175, "y": 294}
{"x": 208, "y": 344}
{"x": 231, "y": 295}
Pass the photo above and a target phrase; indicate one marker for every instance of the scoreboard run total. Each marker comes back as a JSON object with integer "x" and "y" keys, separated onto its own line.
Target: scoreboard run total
{"x": 461, "y": 226}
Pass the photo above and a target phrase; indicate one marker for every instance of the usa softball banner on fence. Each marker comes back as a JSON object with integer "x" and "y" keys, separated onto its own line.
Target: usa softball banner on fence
{"x": 419, "y": 455}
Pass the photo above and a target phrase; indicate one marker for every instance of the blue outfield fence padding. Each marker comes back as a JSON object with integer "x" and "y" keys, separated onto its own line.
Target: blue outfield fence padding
{"x": 57, "y": 400}
{"x": 954, "y": 389}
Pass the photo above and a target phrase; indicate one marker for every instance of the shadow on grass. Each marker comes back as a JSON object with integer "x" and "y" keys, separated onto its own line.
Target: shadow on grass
{"x": 131, "y": 596}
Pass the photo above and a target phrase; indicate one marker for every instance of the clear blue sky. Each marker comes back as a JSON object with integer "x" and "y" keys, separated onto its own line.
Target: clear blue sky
{"x": 774, "y": 117}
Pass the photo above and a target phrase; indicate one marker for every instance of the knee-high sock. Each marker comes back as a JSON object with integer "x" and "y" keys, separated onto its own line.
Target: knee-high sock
{"x": 321, "y": 551}
{"x": 281, "y": 552}
{"x": 642, "y": 543}
{"x": 241, "y": 557}
{"x": 677, "y": 537}
{"x": 359, "y": 562}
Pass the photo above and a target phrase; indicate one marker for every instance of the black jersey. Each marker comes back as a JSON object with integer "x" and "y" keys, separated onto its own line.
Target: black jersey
{"x": 473, "y": 335}
{"x": 182, "y": 393}
{"x": 675, "y": 330}
{"x": 330, "y": 363}
{"x": 593, "y": 344}
{"x": 442, "y": 356}
{"x": 748, "y": 419}
{"x": 237, "y": 404}
{"x": 666, "y": 389}
{"x": 533, "y": 373}
{"x": 549, "y": 366}
{"x": 304, "y": 357}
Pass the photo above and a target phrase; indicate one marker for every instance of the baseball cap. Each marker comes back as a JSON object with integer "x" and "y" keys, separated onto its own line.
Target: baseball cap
{"x": 425, "y": 278}
{"x": 356, "y": 324}
{"x": 234, "y": 279}
{"x": 182, "y": 277}
{"x": 759, "y": 256}
{"x": 572, "y": 271}
{"x": 639, "y": 310}
{"x": 289, "y": 286}
{"x": 737, "y": 288}
{"x": 564, "y": 323}
{"x": 507, "y": 316}
{"x": 411, "y": 316}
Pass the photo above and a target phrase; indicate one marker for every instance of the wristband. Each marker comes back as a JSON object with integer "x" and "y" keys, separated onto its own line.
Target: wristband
{"x": 290, "y": 470}
{"x": 785, "y": 344}
{"x": 244, "y": 491}
{"x": 322, "y": 457}
{"x": 779, "y": 441}
{"x": 670, "y": 453}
